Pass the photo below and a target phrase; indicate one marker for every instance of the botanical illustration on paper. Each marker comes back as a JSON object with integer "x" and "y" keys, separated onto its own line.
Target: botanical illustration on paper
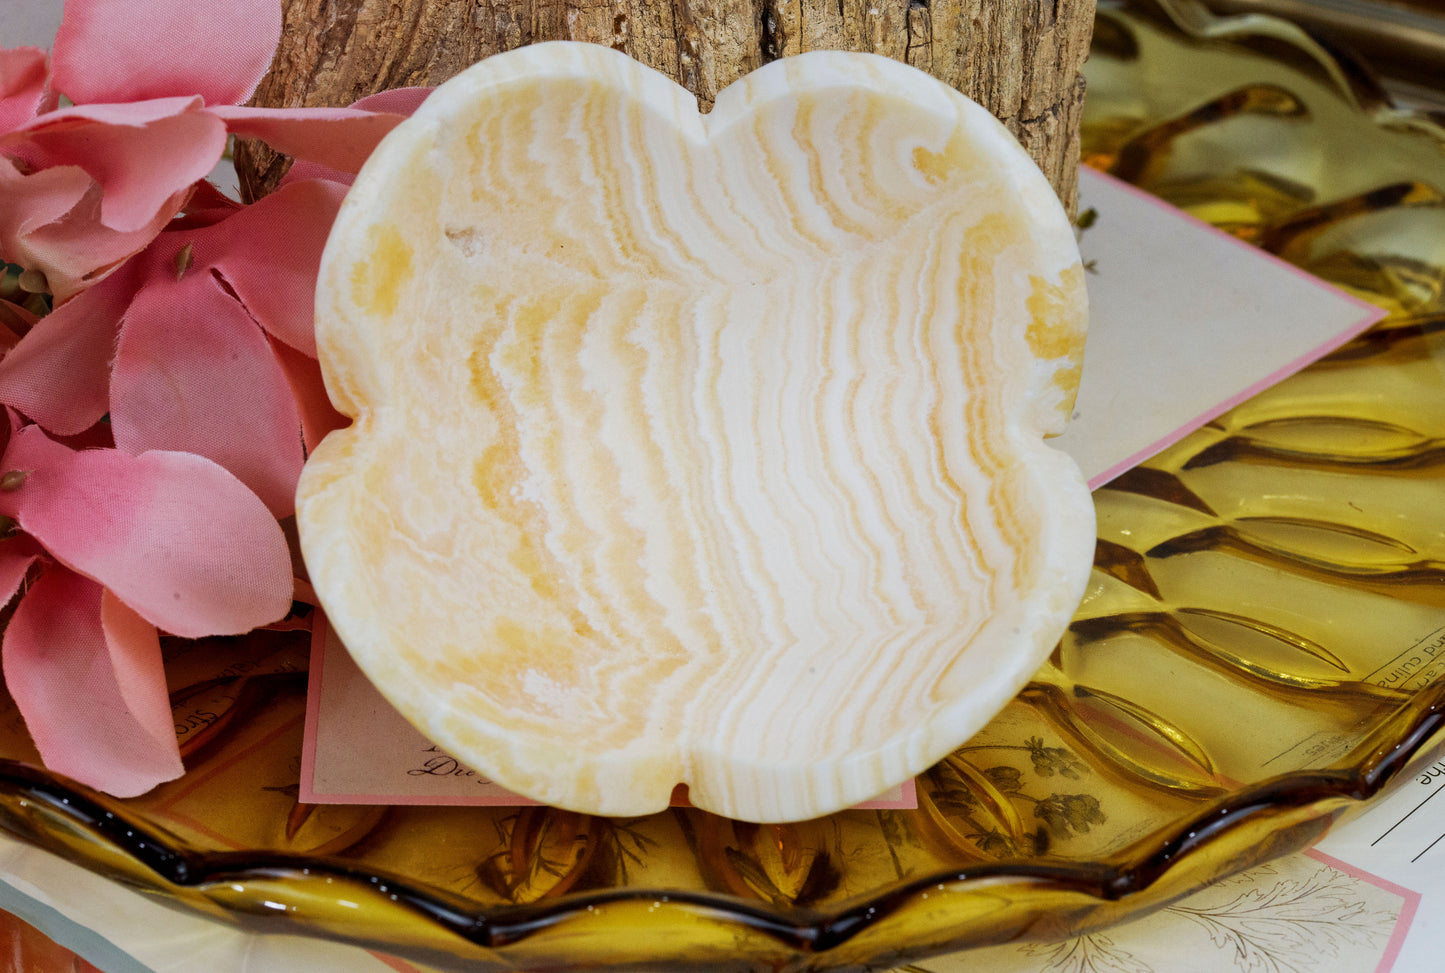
{"x": 1297, "y": 915}
{"x": 1056, "y": 815}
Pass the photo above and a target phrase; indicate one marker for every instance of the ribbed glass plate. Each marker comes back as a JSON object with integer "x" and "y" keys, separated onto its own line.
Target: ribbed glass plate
{"x": 1261, "y": 647}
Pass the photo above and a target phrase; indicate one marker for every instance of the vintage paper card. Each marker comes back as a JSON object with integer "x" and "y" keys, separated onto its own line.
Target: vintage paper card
{"x": 1185, "y": 322}
{"x": 359, "y": 750}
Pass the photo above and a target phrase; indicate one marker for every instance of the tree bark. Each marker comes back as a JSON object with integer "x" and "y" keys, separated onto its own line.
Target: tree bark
{"x": 1019, "y": 58}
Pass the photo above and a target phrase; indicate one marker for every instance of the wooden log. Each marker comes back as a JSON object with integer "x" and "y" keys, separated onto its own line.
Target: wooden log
{"x": 1019, "y": 58}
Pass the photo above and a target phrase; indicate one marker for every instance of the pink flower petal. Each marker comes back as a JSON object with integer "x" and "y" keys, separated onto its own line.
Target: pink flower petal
{"x": 140, "y": 673}
{"x": 398, "y": 101}
{"x": 303, "y": 171}
{"x": 59, "y": 373}
{"x": 207, "y": 206}
{"x": 176, "y": 537}
{"x": 22, "y": 86}
{"x": 194, "y": 373}
{"x": 318, "y": 415}
{"x": 31, "y": 200}
{"x": 395, "y": 101}
{"x": 340, "y": 138}
{"x": 121, "y": 114}
{"x": 142, "y": 155}
{"x": 75, "y": 250}
{"x": 16, "y": 556}
{"x": 92, "y": 186}
{"x": 86, "y": 674}
{"x": 269, "y": 254}
{"x": 130, "y": 50}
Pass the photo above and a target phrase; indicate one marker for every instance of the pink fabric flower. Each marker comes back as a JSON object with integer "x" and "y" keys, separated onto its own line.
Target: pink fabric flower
{"x": 23, "y": 93}
{"x": 124, "y": 546}
{"x": 182, "y": 346}
{"x": 191, "y": 333}
{"x": 155, "y": 86}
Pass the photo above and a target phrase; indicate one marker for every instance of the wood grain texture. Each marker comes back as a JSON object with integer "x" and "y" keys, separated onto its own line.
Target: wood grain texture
{"x": 1020, "y": 59}
{"x": 701, "y": 449}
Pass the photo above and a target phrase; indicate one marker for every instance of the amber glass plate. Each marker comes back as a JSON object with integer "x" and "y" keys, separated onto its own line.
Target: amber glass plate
{"x": 1260, "y": 650}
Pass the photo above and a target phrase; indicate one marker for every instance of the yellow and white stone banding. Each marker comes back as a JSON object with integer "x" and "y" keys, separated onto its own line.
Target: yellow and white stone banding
{"x": 698, "y": 448}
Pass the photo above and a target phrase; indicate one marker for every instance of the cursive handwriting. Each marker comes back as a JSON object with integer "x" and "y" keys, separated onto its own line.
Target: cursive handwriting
{"x": 199, "y": 719}
{"x": 442, "y": 764}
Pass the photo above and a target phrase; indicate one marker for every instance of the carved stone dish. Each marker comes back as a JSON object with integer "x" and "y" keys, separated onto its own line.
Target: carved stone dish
{"x": 699, "y": 449}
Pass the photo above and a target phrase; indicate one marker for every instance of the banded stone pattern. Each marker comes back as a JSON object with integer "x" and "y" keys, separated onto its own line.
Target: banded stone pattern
{"x": 699, "y": 449}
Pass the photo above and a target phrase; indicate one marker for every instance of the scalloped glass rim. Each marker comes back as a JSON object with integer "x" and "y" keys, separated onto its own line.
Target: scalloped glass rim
{"x": 1046, "y": 897}
{"x": 30, "y": 794}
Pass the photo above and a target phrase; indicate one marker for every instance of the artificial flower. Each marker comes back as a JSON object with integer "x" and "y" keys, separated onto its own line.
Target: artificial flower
{"x": 164, "y": 407}
{"x": 113, "y": 549}
{"x": 23, "y": 90}
{"x": 85, "y": 186}
{"x": 201, "y": 343}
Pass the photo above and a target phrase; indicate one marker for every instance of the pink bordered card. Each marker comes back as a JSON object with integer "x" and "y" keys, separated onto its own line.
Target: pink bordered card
{"x": 1185, "y": 322}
